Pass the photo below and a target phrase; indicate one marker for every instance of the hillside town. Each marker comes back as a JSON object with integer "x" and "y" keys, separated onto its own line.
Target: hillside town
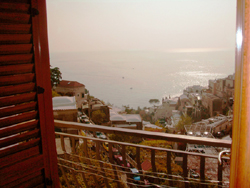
{"x": 203, "y": 104}
{"x": 204, "y": 112}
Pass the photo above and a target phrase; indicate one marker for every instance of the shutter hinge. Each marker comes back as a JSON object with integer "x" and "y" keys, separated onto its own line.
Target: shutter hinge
{"x": 40, "y": 90}
{"x": 34, "y": 12}
{"x": 48, "y": 181}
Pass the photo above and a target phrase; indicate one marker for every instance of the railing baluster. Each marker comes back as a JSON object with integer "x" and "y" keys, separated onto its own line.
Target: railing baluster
{"x": 169, "y": 167}
{"x": 78, "y": 159}
{"x": 220, "y": 173}
{"x": 202, "y": 169}
{"x": 74, "y": 159}
{"x": 84, "y": 179}
{"x": 111, "y": 160}
{"x": 82, "y": 173}
{"x": 129, "y": 176}
{"x": 98, "y": 157}
{"x": 124, "y": 156}
{"x": 85, "y": 146}
{"x": 62, "y": 143}
{"x": 73, "y": 172}
{"x": 138, "y": 161}
{"x": 64, "y": 176}
{"x": 184, "y": 167}
{"x": 153, "y": 164}
{"x": 63, "y": 148}
{"x": 73, "y": 147}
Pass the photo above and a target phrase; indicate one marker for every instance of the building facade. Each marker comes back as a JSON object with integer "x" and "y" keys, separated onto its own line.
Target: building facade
{"x": 72, "y": 88}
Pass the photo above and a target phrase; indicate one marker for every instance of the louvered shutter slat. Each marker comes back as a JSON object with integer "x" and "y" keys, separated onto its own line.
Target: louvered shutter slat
{"x": 4, "y": 122}
{"x": 8, "y": 111}
{"x": 36, "y": 162}
{"x": 11, "y": 130}
{"x": 17, "y": 79}
{"x": 19, "y": 138}
{"x": 15, "y": 49}
{"x": 17, "y": 1}
{"x": 14, "y": 18}
{"x": 16, "y": 59}
{"x": 16, "y": 69}
{"x": 15, "y": 39}
{"x": 17, "y": 89}
{"x": 19, "y": 147}
{"x": 17, "y": 7}
{"x": 13, "y": 100}
{"x": 6, "y": 161}
{"x": 15, "y": 29}
{"x": 18, "y": 182}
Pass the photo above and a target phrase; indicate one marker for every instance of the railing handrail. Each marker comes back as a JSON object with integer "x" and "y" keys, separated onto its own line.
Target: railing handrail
{"x": 139, "y": 146}
{"x": 145, "y": 134}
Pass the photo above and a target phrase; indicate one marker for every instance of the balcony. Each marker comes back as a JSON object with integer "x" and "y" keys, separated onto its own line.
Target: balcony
{"x": 85, "y": 161}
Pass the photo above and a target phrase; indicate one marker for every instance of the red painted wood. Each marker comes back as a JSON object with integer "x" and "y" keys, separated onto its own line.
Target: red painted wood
{"x": 15, "y": 139}
{"x": 153, "y": 160}
{"x": 16, "y": 69}
{"x": 42, "y": 68}
{"x": 18, "y": 128}
{"x": 124, "y": 156}
{"x": 17, "y": 79}
{"x": 32, "y": 182}
{"x": 220, "y": 168}
{"x": 18, "y": 109}
{"x": 185, "y": 170}
{"x": 16, "y": 1}
{"x": 19, "y": 147}
{"x": 17, "y": 89}
{"x": 15, "y": 39}
{"x": 21, "y": 169}
{"x": 13, "y": 100}
{"x": 18, "y": 119}
{"x": 138, "y": 158}
{"x": 15, "y": 28}
{"x": 16, "y": 59}
{"x": 19, "y": 181}
{"x": 169, "y": 169}
{"x": 202, "y": 168}
{"x": 15, "y": 49}
{"x": 20, "y": 156}
{"x": 15, "y": 7}
{"x": 18, "y": 18}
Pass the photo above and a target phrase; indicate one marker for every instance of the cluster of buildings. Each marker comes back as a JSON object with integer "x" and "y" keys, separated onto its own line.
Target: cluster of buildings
{"x": 198, "y": 102}
{"x": 74, "y": 99}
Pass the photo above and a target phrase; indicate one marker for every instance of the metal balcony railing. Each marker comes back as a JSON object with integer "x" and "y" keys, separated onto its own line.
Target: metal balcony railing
{"x": 84, "y": 161}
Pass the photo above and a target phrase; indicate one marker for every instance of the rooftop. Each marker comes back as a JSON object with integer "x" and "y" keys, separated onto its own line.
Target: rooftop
{"x": 71, "y": 84}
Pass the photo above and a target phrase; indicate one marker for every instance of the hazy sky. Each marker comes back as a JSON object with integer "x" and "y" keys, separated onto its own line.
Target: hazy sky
{"x": 159, "y": 25}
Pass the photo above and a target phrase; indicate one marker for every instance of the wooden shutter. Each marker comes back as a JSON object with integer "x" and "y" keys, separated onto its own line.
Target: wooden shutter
{"x": 27, "y": 141}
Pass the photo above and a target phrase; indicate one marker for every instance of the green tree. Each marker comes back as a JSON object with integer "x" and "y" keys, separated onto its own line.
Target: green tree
{"x": 185, "y": 120}
{"x": 128, "y": 109}
{"x": 55, "y": 76}
{"x": 98, "y": 117}
{"x": 153, "y": 101}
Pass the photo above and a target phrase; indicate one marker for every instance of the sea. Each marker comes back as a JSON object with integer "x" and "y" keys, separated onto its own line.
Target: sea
{"x": 132, "y": 78}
